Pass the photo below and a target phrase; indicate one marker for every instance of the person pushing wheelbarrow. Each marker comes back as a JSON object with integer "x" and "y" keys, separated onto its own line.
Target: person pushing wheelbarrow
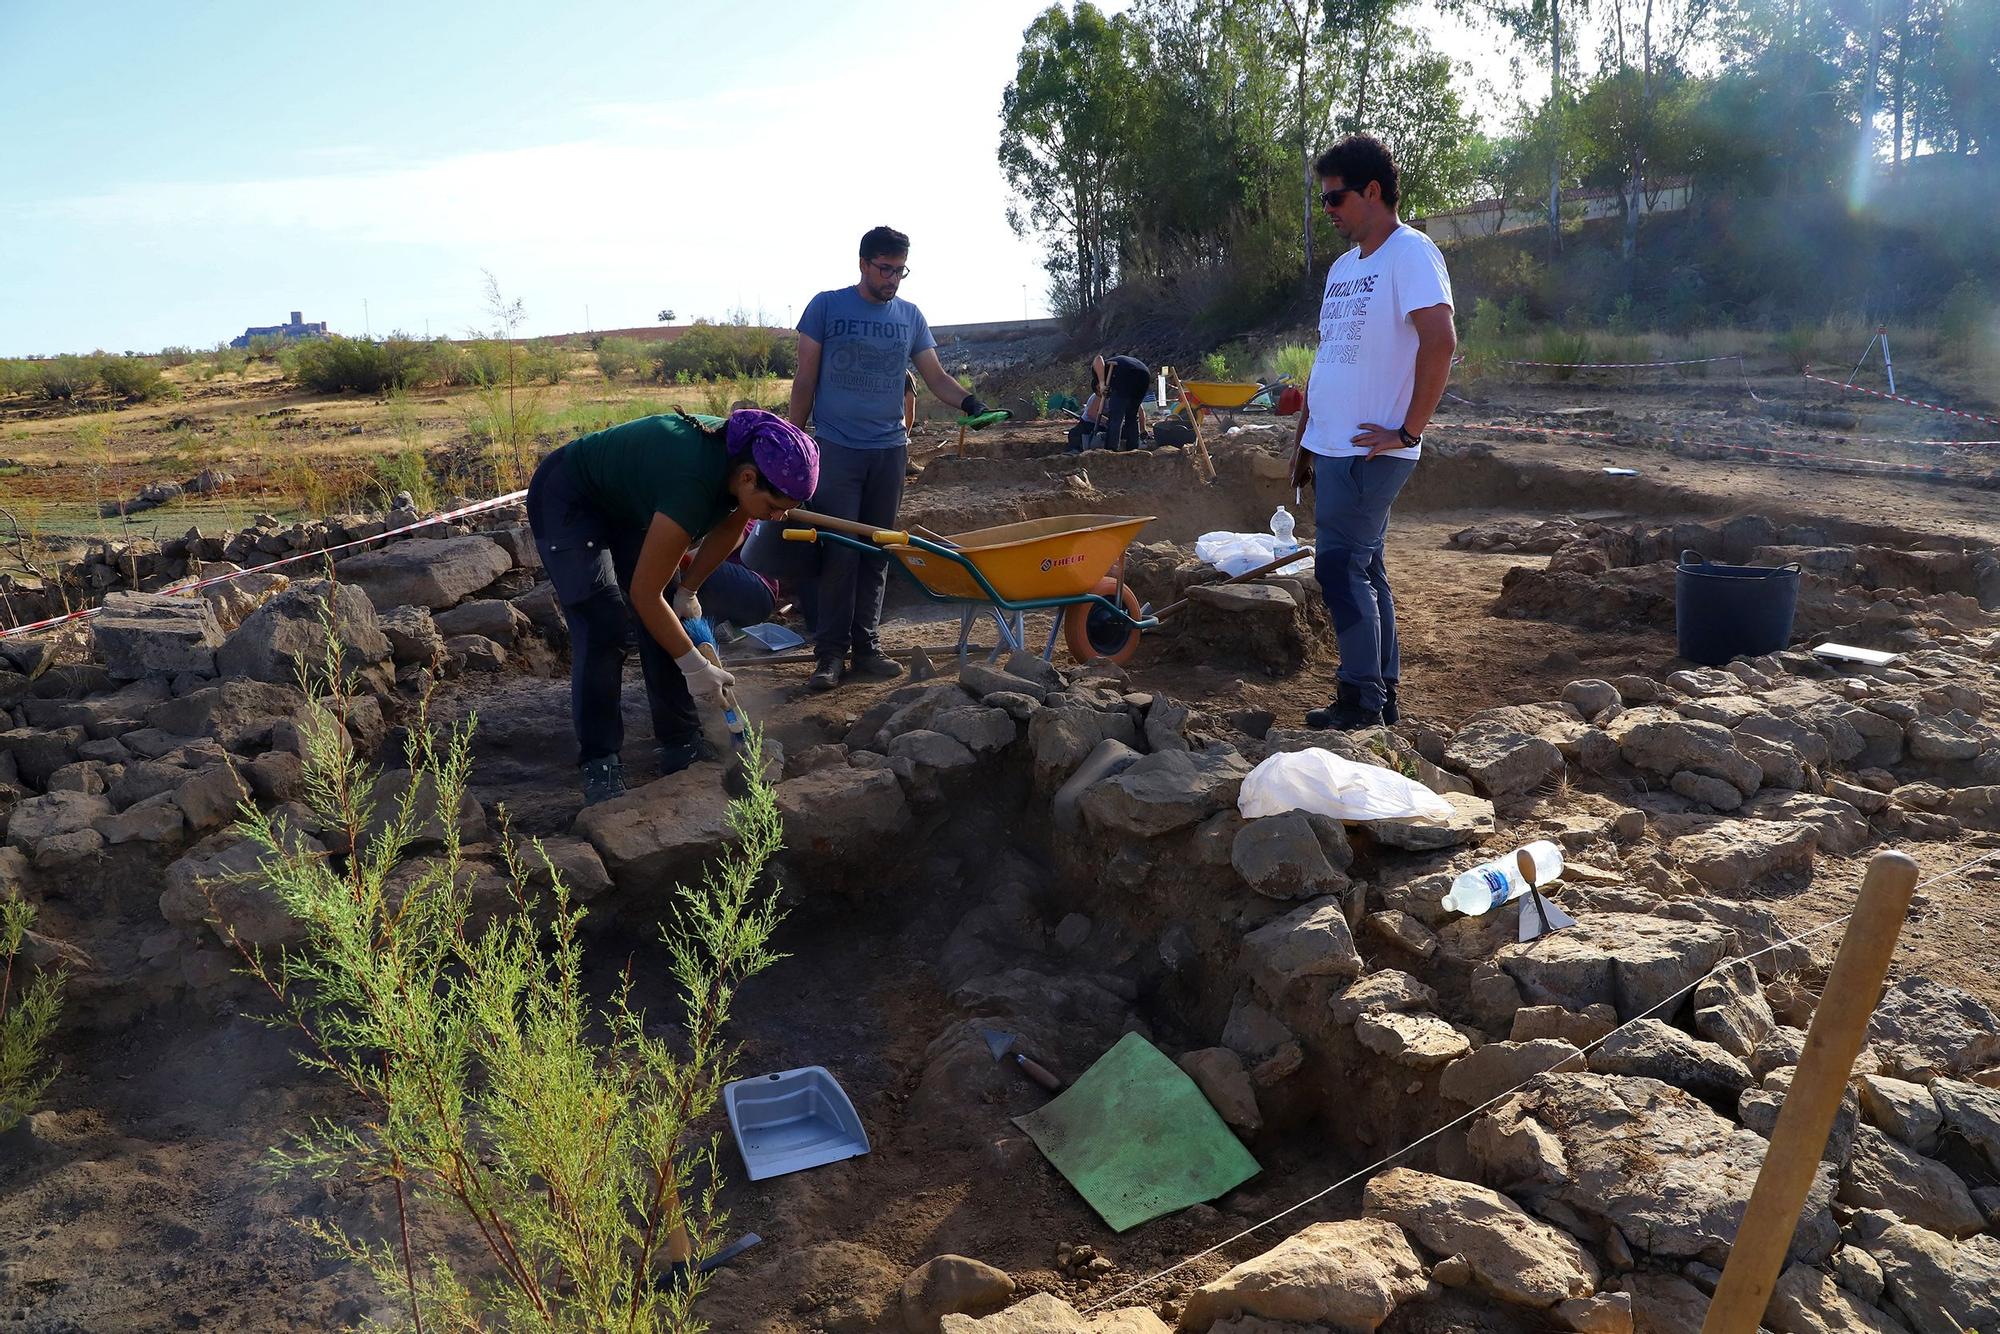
{"x": 612, "y": 513}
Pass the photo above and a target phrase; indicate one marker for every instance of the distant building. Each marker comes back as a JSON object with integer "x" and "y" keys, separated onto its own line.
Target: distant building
{"x": 297, "y": 328}
{"x": 1490, "y": 217}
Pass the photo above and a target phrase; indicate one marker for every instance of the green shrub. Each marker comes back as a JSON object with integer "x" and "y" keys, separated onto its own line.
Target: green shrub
{"x": 544, "y": 360}
{"x": 19, "y": 377}
{"x": 266, "y": 347}
{"x": 28, "y": 1010}
{"x": 405, "y": 470}
{"x": 1215, "y": 366}
{"x": 1563, "y": 351}
{"x": 177, "y": 356}
{"x": 134, "y": 379}
{"x": 723, "y": 351}
{"x": 619, "y": 356}
{"x": 65, "y": 378}
{"x": 335, "y": 365}
{"x": 544, "y": 1141}
{"x": 1800, "y": 345}
{"x": 1968, "y": 325}
{"x": 1295, "y": 361}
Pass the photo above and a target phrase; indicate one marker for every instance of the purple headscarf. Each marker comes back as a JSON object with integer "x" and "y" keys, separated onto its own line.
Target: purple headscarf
{"x": 781, "y": 451}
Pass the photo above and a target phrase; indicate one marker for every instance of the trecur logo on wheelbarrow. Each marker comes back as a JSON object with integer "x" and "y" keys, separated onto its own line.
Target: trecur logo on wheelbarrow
{"x": 1057, "y": 562}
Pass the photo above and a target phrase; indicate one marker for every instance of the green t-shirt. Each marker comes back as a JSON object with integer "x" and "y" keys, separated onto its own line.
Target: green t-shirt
{"x": 657, "y": 465}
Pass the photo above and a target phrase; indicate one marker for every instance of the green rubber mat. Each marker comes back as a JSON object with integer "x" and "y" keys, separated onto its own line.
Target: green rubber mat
{"x": 1137, "y": 1139}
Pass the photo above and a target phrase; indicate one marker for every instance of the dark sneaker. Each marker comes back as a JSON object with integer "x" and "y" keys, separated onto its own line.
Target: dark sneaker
{"x": 825, "y": 675}
{"x": 1345, "y": 714}
{"x": 602, "y": 780}
{"x": 1390, "y": 713}
{"x": 675, "y": 758}
{"x": 875, "y": 665}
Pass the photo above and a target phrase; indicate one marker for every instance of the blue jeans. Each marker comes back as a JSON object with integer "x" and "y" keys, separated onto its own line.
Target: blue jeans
{"x": 590, "y": 560}
{"x": 1351, "y": 499}
{"x": 736, "y": 595}
{"x": 866, "y": 486}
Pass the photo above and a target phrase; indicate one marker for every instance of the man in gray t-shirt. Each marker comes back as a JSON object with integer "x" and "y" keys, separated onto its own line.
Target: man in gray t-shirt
{"x": 855, "y": 346}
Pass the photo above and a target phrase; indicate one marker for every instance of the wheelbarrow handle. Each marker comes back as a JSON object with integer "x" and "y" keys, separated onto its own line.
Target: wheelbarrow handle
{"x": 867, "y": 532}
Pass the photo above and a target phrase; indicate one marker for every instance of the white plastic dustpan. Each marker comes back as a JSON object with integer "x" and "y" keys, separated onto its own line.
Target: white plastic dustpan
{"x": 792, "y": 1120}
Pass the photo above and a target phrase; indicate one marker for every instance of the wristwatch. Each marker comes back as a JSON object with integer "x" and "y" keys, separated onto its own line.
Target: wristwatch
{"x": 1409, "y": 441}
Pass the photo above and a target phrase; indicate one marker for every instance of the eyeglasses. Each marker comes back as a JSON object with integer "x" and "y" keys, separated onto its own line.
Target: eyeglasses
{"x": 890, "y": 270}
{"x": 1335, "y": 198}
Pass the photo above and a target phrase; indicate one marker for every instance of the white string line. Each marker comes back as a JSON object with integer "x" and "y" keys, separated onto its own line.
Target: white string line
{"x": 1585, "y": 1050}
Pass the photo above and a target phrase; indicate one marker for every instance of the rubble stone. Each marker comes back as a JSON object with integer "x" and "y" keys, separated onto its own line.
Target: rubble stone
{"x": 137, "y": 635}
{"x": 1280, "y": 857}
{"x": 1882, "y": 1174}
{"x": 1923, "y": 1028}
{"x": 1513, "y": 1256}
{"x": 1699, "y": 1166}
{"x": 1655, "y": 1050}
{"x": 1164, "y": 792}
{"x": 1619, "y": 959}
{"x": 1311, "y": 941}
{"x": 1218, "y": 1072}
{"x": 434, "y": 572}
{"x": 1730, "y": 1009}
{"x": 1350, "y": 1275}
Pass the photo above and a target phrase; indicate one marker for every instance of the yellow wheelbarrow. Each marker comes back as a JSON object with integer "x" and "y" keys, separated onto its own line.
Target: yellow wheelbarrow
{"x": 1064, "y": 563}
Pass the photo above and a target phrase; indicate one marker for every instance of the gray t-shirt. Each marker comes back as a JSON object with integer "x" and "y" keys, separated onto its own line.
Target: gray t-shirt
{"x": 866, "y": 347}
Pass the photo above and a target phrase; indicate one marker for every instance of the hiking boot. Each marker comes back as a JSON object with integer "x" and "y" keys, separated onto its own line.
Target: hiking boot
{"x": 603, "y": 779}
{"x": 1390, "y": 713}
{"x": 674, "y": 758}
{"x": 875, "y": 665}
{"x": 825, "y": 674}
{"x": 1345, "y": 714}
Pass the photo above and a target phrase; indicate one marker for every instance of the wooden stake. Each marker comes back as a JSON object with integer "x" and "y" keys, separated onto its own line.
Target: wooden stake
{"x": 1806, "y": 1116}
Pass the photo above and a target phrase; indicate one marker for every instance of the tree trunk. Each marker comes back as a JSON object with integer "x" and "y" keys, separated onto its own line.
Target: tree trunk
{"x": 1636, "y": 198}
{"x": 1902, "y": 55}
{"x": 1555, "y": 126}
{"x": 1871, "y": 91}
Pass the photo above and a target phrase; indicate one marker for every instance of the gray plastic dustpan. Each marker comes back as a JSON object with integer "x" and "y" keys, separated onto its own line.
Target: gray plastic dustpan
{"x": 792, "y": 1120}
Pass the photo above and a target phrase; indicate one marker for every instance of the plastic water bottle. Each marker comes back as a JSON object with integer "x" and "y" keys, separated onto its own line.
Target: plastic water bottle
{"x": 1490, "y": 884}
{"x": 1282, "y": 526}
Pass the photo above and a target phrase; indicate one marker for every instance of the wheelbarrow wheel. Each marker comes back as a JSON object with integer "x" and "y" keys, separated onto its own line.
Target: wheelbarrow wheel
{"x": 1092, "y": 632}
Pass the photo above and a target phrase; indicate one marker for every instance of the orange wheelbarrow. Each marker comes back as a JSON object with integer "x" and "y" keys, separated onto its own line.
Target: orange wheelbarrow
{"x": 1063, "y": 564}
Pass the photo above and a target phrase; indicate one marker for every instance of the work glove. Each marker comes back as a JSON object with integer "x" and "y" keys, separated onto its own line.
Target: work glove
{"x": 971, "y": 407}
{"x": 705, "y": 680}
{"x": 685, "y": 604}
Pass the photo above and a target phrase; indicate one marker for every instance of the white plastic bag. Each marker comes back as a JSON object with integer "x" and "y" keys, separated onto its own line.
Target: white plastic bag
{"x": 1320, "y": 782}
{"x": 1240, "y": 553}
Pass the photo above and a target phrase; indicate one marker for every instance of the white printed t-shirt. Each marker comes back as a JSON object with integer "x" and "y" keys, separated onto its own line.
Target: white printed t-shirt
{"x": 1366, "y": 370}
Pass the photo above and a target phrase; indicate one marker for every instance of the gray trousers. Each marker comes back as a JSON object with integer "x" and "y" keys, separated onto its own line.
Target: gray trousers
{"x": 865, "y": 485}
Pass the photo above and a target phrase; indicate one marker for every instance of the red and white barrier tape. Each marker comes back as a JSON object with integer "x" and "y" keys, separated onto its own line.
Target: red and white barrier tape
{"x": 1892, "y": 440}
{"x": 1823, "y": 460}
{"x": 1620, "y": 365}
{"x": 192, "y": 586}
{"x": 1898, "y": 398}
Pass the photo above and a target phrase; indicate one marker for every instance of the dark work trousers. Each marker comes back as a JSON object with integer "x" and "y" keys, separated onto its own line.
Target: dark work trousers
{"x": 795, "y": 565}
{"x": 1121, "y": 421}
{"x": 590, "y": 559}
{"x": 1126, "y": 380}
{"x": 865, "y": 485}
{"x": 1351, "y": 500}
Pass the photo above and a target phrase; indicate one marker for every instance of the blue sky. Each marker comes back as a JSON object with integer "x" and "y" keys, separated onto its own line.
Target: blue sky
{"x": 176, "y": 172}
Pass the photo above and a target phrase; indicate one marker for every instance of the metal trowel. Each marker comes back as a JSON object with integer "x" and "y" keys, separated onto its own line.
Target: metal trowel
{"x": 1539, "y": 915}
{"x": 1002, "y": 1046}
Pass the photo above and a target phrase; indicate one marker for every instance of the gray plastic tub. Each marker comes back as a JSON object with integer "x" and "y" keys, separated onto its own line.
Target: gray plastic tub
{"x": 792, "y": 1120}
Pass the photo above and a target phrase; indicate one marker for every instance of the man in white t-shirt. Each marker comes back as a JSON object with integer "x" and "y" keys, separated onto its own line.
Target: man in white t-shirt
{"x": 1385, "y": 345}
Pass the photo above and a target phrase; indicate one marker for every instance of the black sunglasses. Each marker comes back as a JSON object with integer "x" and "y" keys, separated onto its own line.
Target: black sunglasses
{"x": 1335, "y": 198}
